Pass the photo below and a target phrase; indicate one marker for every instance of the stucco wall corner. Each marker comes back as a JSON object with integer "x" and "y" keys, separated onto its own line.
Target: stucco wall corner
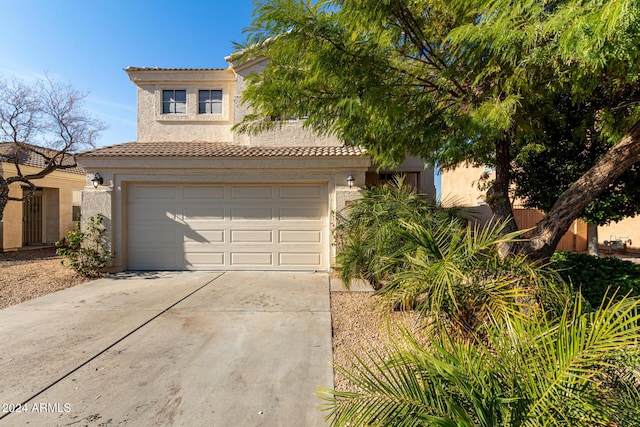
{"x": 95, "y": 202}
{"x": 343, "y": 197}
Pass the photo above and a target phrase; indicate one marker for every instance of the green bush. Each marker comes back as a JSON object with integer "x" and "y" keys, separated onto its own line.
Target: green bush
{"x": 596, "y": 277}
{"x": 579, "y": 369}
{"x": 369, "y": 243}
{"x": 85, "y": 252}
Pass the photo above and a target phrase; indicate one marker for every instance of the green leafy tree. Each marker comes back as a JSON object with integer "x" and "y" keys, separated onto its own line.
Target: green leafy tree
{"x": 547, "y": 166}
{"x": 463, "y": 80}
{"x": 596, "y": 277}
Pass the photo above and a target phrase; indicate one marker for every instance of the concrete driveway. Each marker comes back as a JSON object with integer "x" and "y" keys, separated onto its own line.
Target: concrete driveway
{"x": 154, "y": 349}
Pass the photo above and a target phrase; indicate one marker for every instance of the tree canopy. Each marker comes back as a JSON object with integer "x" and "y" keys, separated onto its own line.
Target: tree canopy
{"x": 543, "y": 172}
{"x": 454, "y": 81}
{"x": 44, "y": 121}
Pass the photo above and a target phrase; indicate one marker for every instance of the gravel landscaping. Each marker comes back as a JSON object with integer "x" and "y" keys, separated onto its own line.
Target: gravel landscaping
{"x": 28, "y": 274}
{"x": 360, "y": 329}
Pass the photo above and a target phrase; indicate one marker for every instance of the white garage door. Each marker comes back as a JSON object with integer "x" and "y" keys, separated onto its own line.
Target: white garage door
{"x": 227, "y": 227}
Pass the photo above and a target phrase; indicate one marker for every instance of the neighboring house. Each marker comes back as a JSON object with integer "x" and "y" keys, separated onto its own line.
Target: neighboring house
{"x": 52, "y": 210}
{"x": 460, "y": 186}
{"x": 190, "y": 194}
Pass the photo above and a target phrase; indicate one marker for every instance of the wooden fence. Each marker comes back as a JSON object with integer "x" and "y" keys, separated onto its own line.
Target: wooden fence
{"x": 574, "y": 240}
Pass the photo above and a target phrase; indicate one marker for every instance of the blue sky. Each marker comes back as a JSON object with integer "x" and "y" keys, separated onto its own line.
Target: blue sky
{"x": 88, "y": 43}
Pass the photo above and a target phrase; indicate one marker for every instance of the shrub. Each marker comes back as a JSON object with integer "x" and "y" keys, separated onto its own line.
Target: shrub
{"x": 85, "y": 252}
{"x": 369, "y": 244}
{"x": 420, "y": 257}
{"x": 579, "y": 369}
{"x": 593, "y": 276}
{"x": 456, "y": 277}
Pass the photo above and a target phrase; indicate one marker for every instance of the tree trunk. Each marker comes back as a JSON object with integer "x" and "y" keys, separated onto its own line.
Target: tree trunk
{"x": 587, "y": 188}
{"x": 498, "y": 194}
{"x": 592, "y": 239}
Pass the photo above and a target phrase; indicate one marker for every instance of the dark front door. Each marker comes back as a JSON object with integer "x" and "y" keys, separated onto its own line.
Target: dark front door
{"x": 32, "y": 214}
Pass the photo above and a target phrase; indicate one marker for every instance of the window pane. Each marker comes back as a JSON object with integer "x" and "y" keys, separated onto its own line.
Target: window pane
{"x": 203, "y": 95}
{"x": 174, "y": 101}
{"x": 75, "y": 213}
{"x": 202, "y": 108}
{"x": 216, "y": 108}
{"x": 216, "y": 95}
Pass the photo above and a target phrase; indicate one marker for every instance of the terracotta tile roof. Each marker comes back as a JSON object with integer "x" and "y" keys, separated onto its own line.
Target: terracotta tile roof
{"x": 171, "y": 69}
{"x": 217, "y": 149}
{"x": 29, "y": 158}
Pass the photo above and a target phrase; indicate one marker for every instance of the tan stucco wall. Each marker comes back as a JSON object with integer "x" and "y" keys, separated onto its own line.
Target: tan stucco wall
{"x": 155, "y": 126}
{"x": 459, "y": 187}
{"x": 291, "y": 134}
{"x": 628, "y": 228}
{"x": 58, "y": 193}
{"x": 12, "y": 221}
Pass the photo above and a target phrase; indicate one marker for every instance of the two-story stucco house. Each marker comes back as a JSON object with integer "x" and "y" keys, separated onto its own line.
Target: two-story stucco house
{"x": 191, "y": 194}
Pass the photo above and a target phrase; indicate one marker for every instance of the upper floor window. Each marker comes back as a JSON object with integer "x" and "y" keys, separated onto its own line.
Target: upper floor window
{"x": 174, "y": 102}
{"x": 210, "y": 102}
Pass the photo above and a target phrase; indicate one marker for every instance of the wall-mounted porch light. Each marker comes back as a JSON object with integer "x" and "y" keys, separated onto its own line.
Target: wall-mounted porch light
{"x": 350, "y": 180}
{"x": 96, "y": 180}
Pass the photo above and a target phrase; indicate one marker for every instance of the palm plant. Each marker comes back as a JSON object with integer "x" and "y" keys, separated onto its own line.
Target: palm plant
{"x": 455, "y": 276}
{"x": 579, "y": 369}
{"x": 368, "y": 240}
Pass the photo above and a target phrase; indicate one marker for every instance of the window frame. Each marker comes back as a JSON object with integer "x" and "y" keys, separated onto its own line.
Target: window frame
{"x": 173, "y": 102}
{"x": 192, "y": 115}
{"x": 210, "y": 102}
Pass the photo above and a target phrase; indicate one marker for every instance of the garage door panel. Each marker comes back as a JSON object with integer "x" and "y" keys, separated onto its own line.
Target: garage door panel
{"x": 301, "y": 192}
{"x": 300, "y": 236}
{"x": 156, "y": 192}
{"x": 242, "y": 214}
{"x": 154, "y": 259}
{"x": 200, "y": 192}
{"x": 311, "y": 259}
{"x": 199, "y": 227}
{"x": 300, "y": 214}
{"x": 264, "y": 259}
{"x": 152, "y": 213}
{"x": 149, "y": 235}
{"x": 215, "y": 259}
{"x": 210, "y": 213}
{"x": 208, "y": 236}
{"x": 251, "y": 192}
{"x": 227, "y": 227}
{"x": 251, "y": 236}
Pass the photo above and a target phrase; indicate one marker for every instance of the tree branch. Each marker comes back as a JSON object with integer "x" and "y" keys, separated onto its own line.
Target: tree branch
{"x": 585, "y": 190}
